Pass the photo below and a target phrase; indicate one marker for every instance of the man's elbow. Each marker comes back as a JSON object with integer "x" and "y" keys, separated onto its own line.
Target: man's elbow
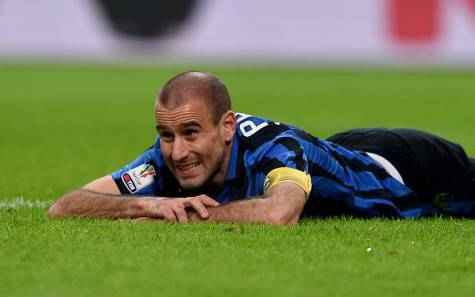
{"x": 284, "y": 218}
{"x": 62, "y": 206}
{"x": 285, "y": 204}
{"x": 57, "y": 209}
{"x": 285, "y": 222}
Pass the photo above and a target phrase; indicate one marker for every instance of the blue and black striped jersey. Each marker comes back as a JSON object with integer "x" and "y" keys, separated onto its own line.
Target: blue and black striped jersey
{"x": 343, "y": 181}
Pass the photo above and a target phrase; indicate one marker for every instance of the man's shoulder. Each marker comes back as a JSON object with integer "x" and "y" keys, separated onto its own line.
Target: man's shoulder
{"x": 255, "y": 132}
{"x": 266, "y": 145}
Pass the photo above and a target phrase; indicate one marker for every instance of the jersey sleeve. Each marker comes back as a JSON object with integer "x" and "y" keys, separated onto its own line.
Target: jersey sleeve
{"x": 140, "y": 176}
{"x": 283, "y": 161}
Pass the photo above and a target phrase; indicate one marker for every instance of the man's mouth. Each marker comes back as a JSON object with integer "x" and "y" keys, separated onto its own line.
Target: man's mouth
{"x": 188, "y": 167}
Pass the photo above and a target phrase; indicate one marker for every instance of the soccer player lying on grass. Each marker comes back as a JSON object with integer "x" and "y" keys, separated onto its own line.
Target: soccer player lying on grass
{"x": 209, "y": 163}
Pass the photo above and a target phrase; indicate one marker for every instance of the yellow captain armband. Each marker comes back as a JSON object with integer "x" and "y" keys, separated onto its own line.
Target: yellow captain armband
{"x": 287, "y": 174}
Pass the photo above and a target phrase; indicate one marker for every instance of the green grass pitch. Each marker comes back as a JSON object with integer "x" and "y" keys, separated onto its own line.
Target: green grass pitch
{"x": 63, "y": 125}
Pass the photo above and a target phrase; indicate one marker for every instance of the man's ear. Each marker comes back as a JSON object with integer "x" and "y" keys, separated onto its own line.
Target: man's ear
{"x": 229, "y": 125}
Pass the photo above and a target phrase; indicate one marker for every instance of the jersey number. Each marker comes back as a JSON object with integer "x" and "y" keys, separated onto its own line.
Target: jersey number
{"x": 248, "y": 128}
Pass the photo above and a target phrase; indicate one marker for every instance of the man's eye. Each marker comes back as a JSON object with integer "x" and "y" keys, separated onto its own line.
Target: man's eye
{"x": 191, "y": 133}
{"x": 166, "y": 136}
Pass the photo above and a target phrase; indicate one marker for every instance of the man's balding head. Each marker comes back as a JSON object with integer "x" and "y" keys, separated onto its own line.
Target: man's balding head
{"x": 195, "y": 85}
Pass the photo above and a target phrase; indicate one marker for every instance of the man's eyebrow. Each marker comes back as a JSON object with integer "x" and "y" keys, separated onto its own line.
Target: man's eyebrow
{"x": 185, "y": 125}
{"x": 191, "y": 123}
{"x": 160, "y": 127}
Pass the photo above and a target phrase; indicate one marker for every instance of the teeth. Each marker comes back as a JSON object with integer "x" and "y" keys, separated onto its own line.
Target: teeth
{"x": 189, "y": 166}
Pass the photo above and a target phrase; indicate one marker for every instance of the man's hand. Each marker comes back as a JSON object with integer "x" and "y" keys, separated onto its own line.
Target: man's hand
{"x": 175, "y": 209}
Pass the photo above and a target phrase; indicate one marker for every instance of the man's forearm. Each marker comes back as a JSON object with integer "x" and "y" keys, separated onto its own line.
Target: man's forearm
{"x": 252, "y": 210}
{"x": 257, "y": 210}
{"x": 83, "y": 203}
{"x": 281, "y": 206}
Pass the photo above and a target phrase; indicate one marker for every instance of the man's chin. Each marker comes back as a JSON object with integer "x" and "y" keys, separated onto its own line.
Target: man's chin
{"x": 190, "y": 183}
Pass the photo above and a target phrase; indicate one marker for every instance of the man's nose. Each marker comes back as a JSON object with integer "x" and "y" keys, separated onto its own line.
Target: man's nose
{"x": 180, "y": 149}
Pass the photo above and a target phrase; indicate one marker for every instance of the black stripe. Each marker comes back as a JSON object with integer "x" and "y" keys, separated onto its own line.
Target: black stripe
{"x": 266, "y": 165}
{"x": 317, "y": 170}
{"x": 294, "y": 146}
{"x": 311, "y": 139}
{"x": 357, "y": 165}
{"x": 238, "y": 185}
{"x": 264, "y": 135}
{"x": 306, "y": 136}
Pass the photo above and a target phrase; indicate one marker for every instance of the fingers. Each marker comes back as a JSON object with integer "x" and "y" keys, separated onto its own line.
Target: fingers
{"x": 174, "y": 209}
{"x": 180, "y": 213}
{"x": 199, "y": 203}
{"x": 198, "y": 206}
{"x": 168, "y": 214}
{"x": 207, "y": 200}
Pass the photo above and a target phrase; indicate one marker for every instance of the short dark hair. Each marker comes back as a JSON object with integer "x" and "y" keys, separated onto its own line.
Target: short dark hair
{"x": 197, "y": 85}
